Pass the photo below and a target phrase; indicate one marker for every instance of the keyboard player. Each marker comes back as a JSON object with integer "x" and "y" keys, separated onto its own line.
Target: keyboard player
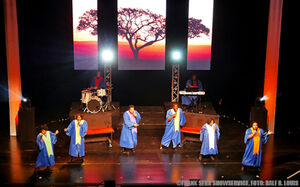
{"x": 192, "y": 83}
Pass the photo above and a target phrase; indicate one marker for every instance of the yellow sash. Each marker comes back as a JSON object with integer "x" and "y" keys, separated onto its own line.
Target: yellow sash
{"x": 77, "y": 132}
{"x": 256, "y": 141}
{"x": 47, "y": 140}
{"x": 176, "y": 120}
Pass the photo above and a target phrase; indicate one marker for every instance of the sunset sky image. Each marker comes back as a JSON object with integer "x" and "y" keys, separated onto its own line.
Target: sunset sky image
{"x": 154, "y": 53}
{"x": 199, "y": 49}
{"x": 85, "y": 44}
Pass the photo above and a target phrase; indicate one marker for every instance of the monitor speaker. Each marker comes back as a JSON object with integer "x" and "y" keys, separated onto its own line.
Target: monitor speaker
{"x": 26, "y": 127}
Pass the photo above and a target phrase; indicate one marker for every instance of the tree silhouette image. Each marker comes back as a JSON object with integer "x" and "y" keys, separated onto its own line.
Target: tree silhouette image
{"x": 89, "y": 21}
{"x": 196, "y": 28}
{"x": 141, "y": 28}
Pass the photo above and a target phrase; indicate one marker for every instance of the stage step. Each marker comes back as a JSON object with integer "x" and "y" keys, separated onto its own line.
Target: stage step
{"x": 151, "y": 115}
{"x": 144, "y": 108}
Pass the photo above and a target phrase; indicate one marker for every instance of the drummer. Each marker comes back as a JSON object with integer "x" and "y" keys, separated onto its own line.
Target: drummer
{"x": 98, "y": 82}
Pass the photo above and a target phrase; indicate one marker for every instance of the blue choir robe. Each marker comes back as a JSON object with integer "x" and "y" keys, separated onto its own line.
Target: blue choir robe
{"x": 77, "y": 148}
{"x": 206, "y": 149}
{"x": 171, "y": 134}
{"x": 101, "y": 84}
{"x": 187, "y": 100}
{"x": 250, "y": 159}
{"x": 44, "y": 159}
{"x": 128, "y": 137}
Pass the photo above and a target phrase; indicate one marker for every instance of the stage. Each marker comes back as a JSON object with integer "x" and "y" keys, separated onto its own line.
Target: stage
{"x": 148, "y": 164}
{"x": 64, "y": 58}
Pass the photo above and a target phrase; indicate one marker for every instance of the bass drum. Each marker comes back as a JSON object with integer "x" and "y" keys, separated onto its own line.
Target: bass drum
{"x": 94, "y": 105}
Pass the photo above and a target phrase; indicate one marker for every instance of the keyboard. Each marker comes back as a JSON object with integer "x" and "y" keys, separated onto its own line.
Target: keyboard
{"x": 183, "y": 92}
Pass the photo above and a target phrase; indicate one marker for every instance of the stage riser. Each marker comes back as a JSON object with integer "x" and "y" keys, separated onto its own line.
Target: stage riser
{"x": 151, "y": 116}
{"x": 141, "y": 109}
{"x": 197, "y": 120}
{"x": 98, "y": 120}
{"x": 194, "y": 120}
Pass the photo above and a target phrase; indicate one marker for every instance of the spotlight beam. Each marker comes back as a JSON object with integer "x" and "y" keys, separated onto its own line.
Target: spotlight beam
{"x": 107, "y": 55}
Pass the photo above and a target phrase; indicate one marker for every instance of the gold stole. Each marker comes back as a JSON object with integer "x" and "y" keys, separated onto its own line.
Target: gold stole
{"x": 256, "y": 141}
{"x": 176, "y": 120}
{"x": 77, "y": 132}
{"x": 47, "y": 140}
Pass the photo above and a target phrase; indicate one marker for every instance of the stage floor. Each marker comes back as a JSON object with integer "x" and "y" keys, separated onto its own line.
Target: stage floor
{"x": 281, "y": 158}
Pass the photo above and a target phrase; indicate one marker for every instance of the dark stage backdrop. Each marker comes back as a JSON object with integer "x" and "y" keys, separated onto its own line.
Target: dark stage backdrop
{"x": 3, "y": 74}
{"x": 287, "y": 109}
{"x": 237, "y": 61}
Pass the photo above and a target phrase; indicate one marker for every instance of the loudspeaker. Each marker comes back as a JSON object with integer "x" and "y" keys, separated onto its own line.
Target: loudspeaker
{"x": 26, "y": 126}
{"x": 259, "y": 114}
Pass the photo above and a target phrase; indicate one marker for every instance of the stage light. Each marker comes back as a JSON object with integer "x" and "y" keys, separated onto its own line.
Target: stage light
{"x": 176, "y": 55}
{"x": 260, "y": 101}
{"x": 26, "y": 102}
{"x": 263, "y": 98}
{"x": 107, "y": 55}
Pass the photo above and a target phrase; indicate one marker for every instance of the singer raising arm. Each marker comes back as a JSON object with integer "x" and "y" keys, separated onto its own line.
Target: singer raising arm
{"x": 254, "y": 139}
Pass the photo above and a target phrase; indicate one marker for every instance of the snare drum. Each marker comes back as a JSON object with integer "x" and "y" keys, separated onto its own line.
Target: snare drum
{"x": 86, "y": 96}
{"x": 101, "y": 92}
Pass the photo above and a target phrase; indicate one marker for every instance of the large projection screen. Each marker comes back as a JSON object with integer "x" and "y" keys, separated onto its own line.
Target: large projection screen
{"x": 199, "y": 34}
{"x": 141, "y": 34}
{"x": 85, "y": 39}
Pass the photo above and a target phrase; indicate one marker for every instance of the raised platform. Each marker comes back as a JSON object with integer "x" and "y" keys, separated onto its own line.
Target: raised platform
{"x": 100, "y": 125}
{"x": 151, "y": 115}
{"x": 195, "y": 120}
{"x": 98, "y": 120}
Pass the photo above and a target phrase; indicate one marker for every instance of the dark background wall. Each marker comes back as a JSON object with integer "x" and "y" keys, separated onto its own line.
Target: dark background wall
{"x": 287, "y": 106}
{"x": 237, "y": 67}
{"x": 3, "y": 74}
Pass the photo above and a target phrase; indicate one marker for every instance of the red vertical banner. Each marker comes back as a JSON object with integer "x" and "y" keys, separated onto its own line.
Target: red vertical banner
{"x": 272, "y": 59}
{"x": 13, "y": 62}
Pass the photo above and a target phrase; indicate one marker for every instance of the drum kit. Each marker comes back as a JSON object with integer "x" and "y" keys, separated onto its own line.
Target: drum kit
{"x": 93, "y": 100}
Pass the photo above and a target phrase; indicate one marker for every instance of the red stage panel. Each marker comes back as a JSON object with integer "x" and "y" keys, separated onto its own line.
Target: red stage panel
{"x": 13, "y": 62}
{"x": 272, "y": 58}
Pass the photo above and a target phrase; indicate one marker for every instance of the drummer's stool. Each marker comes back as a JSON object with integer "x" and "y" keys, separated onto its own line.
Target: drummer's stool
{"x": 100, "y": 135}
{"x": 190, "y": 134}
